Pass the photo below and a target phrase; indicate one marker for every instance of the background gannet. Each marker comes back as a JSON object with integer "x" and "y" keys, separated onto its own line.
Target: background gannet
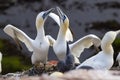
{"x": 40, "y": 45}
{"x": 0, "y": 62}
{"x": 77, "y": 47}
{"x": 104, "y": 59}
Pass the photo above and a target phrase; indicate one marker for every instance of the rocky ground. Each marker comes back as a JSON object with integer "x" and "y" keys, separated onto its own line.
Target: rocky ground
{"x": 86, "y": 16}
{"x": 71, "y": 75}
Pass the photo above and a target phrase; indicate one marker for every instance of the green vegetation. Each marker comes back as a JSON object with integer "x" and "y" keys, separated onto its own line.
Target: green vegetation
{"x": 13, "y": 64}
{"x": 13, "y": 59}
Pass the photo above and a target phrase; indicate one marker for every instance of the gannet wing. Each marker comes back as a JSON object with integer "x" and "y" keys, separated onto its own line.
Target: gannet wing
{"x": 69, "y": 35}
{"x": 85, "y": 42}
{"x": 17, "y": 33}
{"x": 51, "y": 40}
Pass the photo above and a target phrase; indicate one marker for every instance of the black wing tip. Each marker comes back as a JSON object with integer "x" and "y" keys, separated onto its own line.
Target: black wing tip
{"x": 86, "y": 67}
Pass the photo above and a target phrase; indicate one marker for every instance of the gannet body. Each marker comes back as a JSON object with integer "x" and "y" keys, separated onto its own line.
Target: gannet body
{"x": 104, "y": 59}
{"x": 40, "y": 45}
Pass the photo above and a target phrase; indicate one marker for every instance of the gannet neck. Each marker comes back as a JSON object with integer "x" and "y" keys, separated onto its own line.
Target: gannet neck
{"x": 40, "y": 33}
{"x": 107, "y": 49}
{"x": 61, "y": 33}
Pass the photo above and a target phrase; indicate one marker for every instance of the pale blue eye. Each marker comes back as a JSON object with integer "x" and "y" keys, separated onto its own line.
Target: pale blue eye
{"x": 64, "y": 17}
{"x": 44, "y": 15}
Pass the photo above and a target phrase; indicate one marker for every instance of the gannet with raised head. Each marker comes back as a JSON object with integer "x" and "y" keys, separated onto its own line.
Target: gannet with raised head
{"x": 40, "y": 45}
{"x": 77, "y": 47}
{"x": 104, "y": 59}
{"x": 59, "y": 45}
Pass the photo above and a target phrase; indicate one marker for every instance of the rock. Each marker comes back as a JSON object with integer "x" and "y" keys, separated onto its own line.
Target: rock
{"x": 56, "y": 74}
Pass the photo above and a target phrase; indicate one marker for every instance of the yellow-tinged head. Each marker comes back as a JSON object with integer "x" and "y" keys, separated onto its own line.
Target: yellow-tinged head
{"x": 108, "y": 39}
{"x": 64, "y": 21}
{"x": 42, "y": 16}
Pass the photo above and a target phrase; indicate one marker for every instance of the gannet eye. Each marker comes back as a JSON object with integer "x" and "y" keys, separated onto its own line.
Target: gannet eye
{"x": 64, "y": 17}
{"x": 44, "y": 15}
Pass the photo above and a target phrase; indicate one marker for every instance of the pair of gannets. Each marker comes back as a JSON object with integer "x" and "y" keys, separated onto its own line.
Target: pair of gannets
{"x": 40, "y": 45}
{"x": 104, "y": 59}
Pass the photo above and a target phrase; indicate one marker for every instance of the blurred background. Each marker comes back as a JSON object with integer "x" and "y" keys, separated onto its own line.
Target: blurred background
{"x": 86, "y": 17}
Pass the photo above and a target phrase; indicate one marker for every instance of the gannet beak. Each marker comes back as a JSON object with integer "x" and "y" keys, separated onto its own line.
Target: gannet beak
{"x": 47, "y": 13}
{"x": 60, "y": 12}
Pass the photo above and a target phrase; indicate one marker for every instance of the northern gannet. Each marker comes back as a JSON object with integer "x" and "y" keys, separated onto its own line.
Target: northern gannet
{"x": 0, "y": 62}
{"x": 40, "y": 45}
{"x": 77, "y": 47}
{"x": 104, "y": 59}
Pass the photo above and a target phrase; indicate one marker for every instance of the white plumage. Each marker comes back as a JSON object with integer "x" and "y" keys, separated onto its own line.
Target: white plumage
{"x": 104, "y": 59}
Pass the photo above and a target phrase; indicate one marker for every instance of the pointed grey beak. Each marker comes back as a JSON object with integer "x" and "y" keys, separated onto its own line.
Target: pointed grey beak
{"x": 60, "y": 12}
{"x": 47, "y": 13}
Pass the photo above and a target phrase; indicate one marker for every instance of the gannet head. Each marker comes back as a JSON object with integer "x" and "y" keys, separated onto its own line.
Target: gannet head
{"x": 110, "y": 36}
{"x": 42, "y": 16}
{"x": 64, "y": 21}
